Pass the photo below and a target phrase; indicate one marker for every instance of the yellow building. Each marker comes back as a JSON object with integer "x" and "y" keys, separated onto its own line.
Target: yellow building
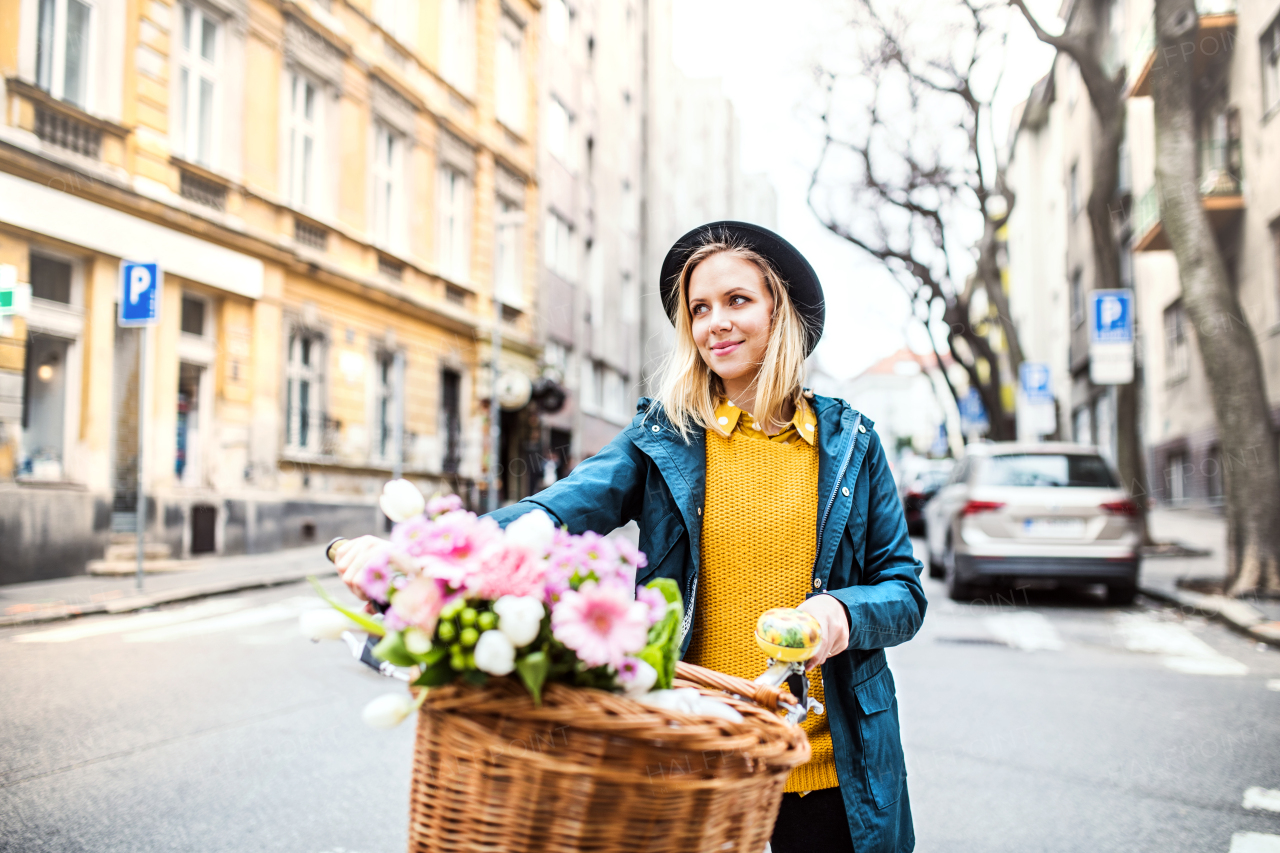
{"x": 334, "y": 190}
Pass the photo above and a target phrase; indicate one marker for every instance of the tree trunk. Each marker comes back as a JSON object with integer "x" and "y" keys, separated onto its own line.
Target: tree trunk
{"x": 1227, "y": 346}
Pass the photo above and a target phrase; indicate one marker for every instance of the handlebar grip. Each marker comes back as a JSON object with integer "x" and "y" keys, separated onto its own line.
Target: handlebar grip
{"x": 763, "y": 695}
{"x": 331, "y": 548}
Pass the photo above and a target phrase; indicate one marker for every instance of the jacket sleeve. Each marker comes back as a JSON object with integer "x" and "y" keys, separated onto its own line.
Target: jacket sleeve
{"x": 603, "y": 492}
{"x": 887, "y": 608}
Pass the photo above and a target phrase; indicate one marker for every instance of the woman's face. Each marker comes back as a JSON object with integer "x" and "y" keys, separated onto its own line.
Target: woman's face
{"x": 730, "y": 308}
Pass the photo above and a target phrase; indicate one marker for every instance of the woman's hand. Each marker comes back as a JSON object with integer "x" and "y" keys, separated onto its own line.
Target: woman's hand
{"x": 352, "y": 556}
{"x": 834, "y": 620}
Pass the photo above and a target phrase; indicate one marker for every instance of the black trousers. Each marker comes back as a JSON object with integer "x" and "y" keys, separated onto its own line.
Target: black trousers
{"x": 814, "y": 823}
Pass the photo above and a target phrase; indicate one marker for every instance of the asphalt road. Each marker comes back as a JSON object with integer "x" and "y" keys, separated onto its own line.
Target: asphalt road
{"x": 1042, "y": 721}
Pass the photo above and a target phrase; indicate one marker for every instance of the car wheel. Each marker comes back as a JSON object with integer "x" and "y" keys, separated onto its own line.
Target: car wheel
{"x": 1121, "y": 594}
{"x": 957, "y": 590}
{"x": 937, "y": 570}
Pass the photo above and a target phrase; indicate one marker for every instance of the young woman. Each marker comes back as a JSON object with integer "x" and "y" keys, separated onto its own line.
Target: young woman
{"x": 753, "y": 493}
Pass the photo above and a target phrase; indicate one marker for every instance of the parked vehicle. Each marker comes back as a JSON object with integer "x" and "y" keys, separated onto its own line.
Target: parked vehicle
{"x": 1051, "y": 511}
{"x": 917, "y": 488}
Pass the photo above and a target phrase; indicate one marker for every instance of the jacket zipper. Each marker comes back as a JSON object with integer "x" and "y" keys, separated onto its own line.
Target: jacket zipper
{"x": 826, "y": 513}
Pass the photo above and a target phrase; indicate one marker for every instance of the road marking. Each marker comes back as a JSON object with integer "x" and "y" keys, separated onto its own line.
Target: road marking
{"x": 288, "y": 609}
{"x": 1254, "y": 842}
{"x": 1025, "y": 630}
{"x": 121, "y": 624}
{"x": 1273, "y": 684}
{"x": 1262, "y": 798}
{"x": 1182, "y": 651}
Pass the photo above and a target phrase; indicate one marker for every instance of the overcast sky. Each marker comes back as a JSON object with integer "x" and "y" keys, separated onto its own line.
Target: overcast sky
{"x": 764, "y": 50}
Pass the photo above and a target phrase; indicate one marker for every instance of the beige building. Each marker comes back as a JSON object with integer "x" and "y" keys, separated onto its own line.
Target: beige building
{"x": 333, "y": 190}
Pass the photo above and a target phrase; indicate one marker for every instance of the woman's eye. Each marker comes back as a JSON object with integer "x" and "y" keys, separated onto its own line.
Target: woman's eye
{"x": 737, "y": 300}
{"x": 698, "y": 309}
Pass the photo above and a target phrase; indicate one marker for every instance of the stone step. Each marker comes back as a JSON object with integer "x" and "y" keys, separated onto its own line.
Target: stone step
{"x": 127, "y": 551}
{"x": 129, "y": 567}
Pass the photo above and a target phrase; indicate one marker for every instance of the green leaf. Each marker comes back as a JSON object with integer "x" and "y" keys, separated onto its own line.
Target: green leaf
{"x": 437, "y": 673}
{"x": 533, "y": 669}
{"x": 670, "y": 589}
{"x": 391, "y": 649}
{"x": 370, "y": 625}
{"x": 476, "y": 677}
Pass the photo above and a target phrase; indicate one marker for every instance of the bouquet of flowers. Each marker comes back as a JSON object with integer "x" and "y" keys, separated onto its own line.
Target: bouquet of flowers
{"x": 461, "y": 598}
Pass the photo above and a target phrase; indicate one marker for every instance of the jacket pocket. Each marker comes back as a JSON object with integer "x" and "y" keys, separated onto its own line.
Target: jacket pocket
{"x": 882, "y": 758}
{"x": 657, "y": 540}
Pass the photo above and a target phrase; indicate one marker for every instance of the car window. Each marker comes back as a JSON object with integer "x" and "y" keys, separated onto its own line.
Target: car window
{"x": 960, "y": 472}
{"x": 1047, "y": 469}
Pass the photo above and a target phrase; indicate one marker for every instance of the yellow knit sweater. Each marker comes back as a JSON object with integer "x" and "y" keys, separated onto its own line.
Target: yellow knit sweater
{"x": 758, "y": 546}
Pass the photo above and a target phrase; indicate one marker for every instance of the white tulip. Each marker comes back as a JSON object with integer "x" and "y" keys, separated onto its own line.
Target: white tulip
{"x": 416, "y": 641}
{"x": 388, "y": 710}
{"x": 519, "y": 617}
{"x": 495, "y": 654}
{"x": 401, "y": 500}
{"x": 686, "y": 700}
{"x": 643, "y": 681}
{"x": 326, "y": 624}
{"x": 533, "y": 531}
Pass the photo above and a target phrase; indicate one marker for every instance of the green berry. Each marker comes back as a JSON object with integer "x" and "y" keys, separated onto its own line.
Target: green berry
{"x": 457, "y": 662}
{"x": 471, "y": 660}
{"x": 487, "y": 620}
{"x": 468, "y": 617}
{"x": 448, "y": 632}
{"x": 451, "y": 609}
{"x": 469, "y": 637}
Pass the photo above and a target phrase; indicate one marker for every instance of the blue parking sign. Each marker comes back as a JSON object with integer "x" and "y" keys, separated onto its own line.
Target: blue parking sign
{"x": 1035, "y": 381}
{"x": 139, "y": 293}
{"x": 1111, "y": 316}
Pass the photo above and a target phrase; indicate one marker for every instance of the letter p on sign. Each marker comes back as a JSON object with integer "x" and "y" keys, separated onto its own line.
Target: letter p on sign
{"x": 140, "y": 293}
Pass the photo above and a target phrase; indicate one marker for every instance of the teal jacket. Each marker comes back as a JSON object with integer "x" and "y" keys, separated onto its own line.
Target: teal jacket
{"x": 651, "y": 475}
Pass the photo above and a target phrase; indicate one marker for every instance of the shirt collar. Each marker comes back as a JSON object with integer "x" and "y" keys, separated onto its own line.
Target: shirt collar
{"x": 804, "y": 421}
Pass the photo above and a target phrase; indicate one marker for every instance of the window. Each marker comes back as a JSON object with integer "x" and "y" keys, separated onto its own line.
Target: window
{"x": 50, "y": 279}
{"x": 44, "y": 402}
{"x": 1047, "y": 469}
{"x": 559, "y": 19}
{"x": 63, "y": 46}
{"x": 593, "y": 264}
{"x": 614, "y": 394}
{"x": 388, "y": 180}
{"x": 592, "y": 391}
{"x": 561, "y": 257}
{"x": 451, "y": 418}
{"x": 1175, "y": 477}
{"x": 458, "y": 43}
{"x": 559, "y": 132}
{"x": 507, "y": 256}
{"x": 193, "y": 311}
{"x": 304, "y": 406}
{"x": 397, "y": 17}
{"x": 512, "y": 91}
{"x": 302, "y": 135}
{"x": 1176, "y": 350}
{"x": 196, "y": 96}
{"x": 1077, "y": 298}
{"x": 1270, "y": 54}
{"x": 1083, "y": 425}
{"x": 385, "y": 405}
{"x": 1073, "y": 190}
{"x": 453, "y": 232}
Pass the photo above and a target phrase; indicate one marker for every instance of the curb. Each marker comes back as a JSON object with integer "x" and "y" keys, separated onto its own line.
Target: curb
{"x": 1232, "y": 612}
{"x": 141, "y": 602}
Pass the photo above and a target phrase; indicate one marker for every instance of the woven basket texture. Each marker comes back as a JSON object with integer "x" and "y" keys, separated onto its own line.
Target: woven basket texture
{"x": 593, "y": 771}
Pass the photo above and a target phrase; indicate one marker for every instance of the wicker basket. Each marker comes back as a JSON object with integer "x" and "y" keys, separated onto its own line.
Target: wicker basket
{"x": 593, "y": 771}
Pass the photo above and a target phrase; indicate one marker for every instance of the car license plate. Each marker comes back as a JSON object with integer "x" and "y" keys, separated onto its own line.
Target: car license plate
{"x": 1054, "y": 528}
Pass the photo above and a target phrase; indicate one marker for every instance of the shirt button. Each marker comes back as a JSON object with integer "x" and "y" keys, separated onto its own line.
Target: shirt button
{"x": 817, "y": 583}
{"x": 723, "y": 421}
{"x": 845, "y": 491}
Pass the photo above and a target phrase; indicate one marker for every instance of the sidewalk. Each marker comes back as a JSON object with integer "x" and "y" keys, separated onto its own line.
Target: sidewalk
{"x": 1204, "y": 530}
{"x": 43, "y": 601}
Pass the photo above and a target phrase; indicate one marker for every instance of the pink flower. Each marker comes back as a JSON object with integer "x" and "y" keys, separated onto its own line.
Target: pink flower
{"x": 374, "y": 579}
{"x": 630, "y": 554}
{"x": 601, "y": 623}
{"x": 418, "y": 603}
{"x": 440, "y": 504}
{"x": 654, "y": 600}
{"x": 456, "y": 535}
{"x": 500, "y": 570}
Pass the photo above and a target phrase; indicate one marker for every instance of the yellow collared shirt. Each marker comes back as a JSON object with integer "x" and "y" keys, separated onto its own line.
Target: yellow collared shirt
{"x": 803, "y": 424}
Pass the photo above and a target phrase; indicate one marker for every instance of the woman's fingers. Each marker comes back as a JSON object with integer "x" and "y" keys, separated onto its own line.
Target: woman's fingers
{"x": 352, "y": 556}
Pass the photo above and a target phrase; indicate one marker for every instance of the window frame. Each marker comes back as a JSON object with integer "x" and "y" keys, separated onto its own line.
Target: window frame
{"x": 1269, "y": 57}
{"x": 313, "y": 372}
{"x": 559, "y": 247}
{"x": 1177, "y": 351}
{"x": 453, "y": 223}
{"x": 458, "y": 53}
{"x": 559, "y": 132}
{"x": 387, "y": 180}
{"x": 511, "y": 83}
{"x": 508, "y": 266}
{"x": 190, "y": 59}
{"x": 50, "y": 75}
{"x": 303, "y": 188}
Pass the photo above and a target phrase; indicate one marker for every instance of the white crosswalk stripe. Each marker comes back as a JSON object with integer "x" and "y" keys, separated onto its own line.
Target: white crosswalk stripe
{"x": 1262, "y": 798}
{"x": 288, "y": 609}
{"x": 122, "y": 624}
{"x": 1181, "y": 650}
{"x": 1024, "y": 629}
{"x": 1254, "y": 842}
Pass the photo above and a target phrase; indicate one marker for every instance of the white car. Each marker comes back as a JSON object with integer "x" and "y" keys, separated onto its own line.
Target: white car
{"x": 1050, "y": 511}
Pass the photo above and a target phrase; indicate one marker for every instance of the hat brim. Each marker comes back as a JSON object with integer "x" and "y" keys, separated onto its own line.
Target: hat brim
{"x": 796, "y": 273}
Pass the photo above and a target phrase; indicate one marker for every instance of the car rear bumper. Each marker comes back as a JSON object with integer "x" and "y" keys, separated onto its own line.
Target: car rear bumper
{"x": 971, "y": 568}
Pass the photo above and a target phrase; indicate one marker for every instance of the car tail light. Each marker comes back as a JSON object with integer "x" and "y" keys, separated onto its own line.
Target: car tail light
{"x": 1124, "y": 507}
{"x": 975, "y": 507}
{"x": 915, "y": 493}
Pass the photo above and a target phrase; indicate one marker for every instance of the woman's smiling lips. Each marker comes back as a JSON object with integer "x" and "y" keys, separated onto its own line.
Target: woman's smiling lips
{"x": 725, "y": 347}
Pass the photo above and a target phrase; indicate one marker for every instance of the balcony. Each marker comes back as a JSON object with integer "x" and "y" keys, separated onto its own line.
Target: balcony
{"x": 1220, "y": 185}
{"x": 1215, "y": 37}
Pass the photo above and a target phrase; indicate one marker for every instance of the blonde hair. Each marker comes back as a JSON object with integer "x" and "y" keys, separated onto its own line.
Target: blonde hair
{"x": 689, "y": 390}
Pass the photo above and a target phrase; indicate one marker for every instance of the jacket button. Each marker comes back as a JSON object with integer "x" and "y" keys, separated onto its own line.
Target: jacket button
{"x": 699, "y": 510}
{"x": 817, "y": 583}
{"x": 656, "y": 428}
{"x": 845, "y": 491}
{"x": 861, "y": 428}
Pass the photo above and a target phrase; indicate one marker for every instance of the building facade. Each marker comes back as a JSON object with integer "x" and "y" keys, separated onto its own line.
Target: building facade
{"x": 334, "y": 190}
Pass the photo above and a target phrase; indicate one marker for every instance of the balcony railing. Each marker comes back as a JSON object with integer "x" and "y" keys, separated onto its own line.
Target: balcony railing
{"x": 1146, "y": 213}
{"x": 1221, "y": 168}
{"x": 1220, "y": 185}
{"x": 67, "y": 133}
{"x": 1143, "y": 56}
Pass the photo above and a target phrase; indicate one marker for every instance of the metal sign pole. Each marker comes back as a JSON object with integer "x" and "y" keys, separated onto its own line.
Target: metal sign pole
{"x": 397, "y": 426}
{"x": 495, "y": 410}
{"x": 140, "y": 523}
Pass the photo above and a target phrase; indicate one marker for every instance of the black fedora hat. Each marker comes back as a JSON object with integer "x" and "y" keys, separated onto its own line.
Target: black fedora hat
{"x": 801, "y": 281}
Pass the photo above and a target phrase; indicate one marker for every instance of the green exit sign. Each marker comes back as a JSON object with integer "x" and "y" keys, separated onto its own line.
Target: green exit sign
{"x": 15, "y": 298}
{"x": 6, "y": 301}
